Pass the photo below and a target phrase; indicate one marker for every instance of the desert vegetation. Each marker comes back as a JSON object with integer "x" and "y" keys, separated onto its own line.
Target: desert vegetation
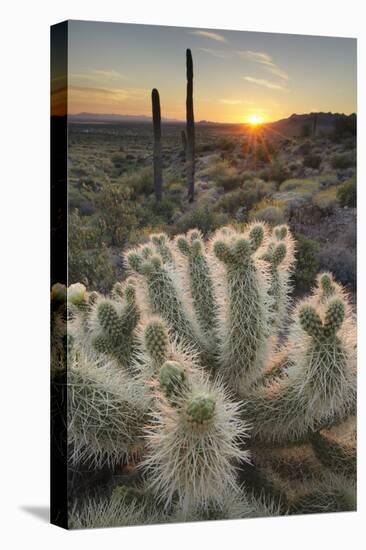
{"x": 197, "y": 390}
{"x": 241, "y": 175}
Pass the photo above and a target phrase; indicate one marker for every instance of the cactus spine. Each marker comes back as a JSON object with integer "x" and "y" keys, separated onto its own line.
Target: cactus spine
{"x": 158, "y": 162}
{"x": 190, "y": 155}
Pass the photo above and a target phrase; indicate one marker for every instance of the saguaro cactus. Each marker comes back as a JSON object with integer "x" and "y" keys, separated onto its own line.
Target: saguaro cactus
{"x": 190, "y": 127}
{"x": 158, "y": 163}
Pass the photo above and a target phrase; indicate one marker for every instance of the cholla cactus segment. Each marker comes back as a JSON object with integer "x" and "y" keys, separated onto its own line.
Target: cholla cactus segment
{"x": 317, "y": 384}
{"x": 117, "y": 291}
{"x": 163, "y": 296}
{"x": 190, "y": 465}
{"x": 156, "y": 340}
{"x": 115, "y": 511}
{"x": 106, "y": 412}
{"x": 336, "y": 447}
{"x": 161, "y": 244}
{"x": 112, "y": 325}
{"x": 244, "y": 321}
{"x": 200, "y": 279}
{"x": 257, "y": 233}
{"x": 172, "y": 379}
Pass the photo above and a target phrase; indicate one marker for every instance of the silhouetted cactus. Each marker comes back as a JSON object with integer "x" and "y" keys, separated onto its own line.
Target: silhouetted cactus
{"x": 190, "y": 155}
{"x": 158, "y": 162}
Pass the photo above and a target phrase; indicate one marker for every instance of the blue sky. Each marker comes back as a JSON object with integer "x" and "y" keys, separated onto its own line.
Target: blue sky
{"x": 113, "y": 67}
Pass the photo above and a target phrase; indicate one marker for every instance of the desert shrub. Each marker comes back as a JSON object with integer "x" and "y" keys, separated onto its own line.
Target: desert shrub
{"x": 277, "y": 172}
{"x": 347, "y": 193}
{"x": 176, "y": 189}
{"x": 118, "y": 159}
{"x": 342, "y": 160}
{"x": 202, "y": 218}
{"x": 223, "y": 175}
{"x": 140, "y": 182}
{"x": 341, "y": 261}
{"x": 233, "y": 200}
{"x": 312, "y": 161}
{"x": 268, "y": 211}
{"x": 307, "y": 264}
{"x": 226, "y": 144}
{"x": 88, "y": 257}
{"x": 310, "y": 185}
{"x": 304, "y": 148}
{"x": 116, "y": 206}
{"x": 326, "y": 200}
{"x": 206, "y": 147}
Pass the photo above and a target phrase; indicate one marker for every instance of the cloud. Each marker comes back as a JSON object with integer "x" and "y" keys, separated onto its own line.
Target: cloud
{"x": 230, "y": 101}
{"x": 263, "y": 82}
{"x": 215, "y": 53}
{"x": 98, "y": 75}
{"x": 265, "y": 60}
{"x": 207, "y": 34}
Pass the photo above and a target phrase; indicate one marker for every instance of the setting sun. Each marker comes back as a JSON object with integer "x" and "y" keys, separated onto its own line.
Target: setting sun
{"x": 254, "y": 120}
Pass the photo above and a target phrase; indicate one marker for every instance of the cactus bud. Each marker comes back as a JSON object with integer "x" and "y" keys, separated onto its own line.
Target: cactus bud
{"x": 156, "y": 340}
{"x": 134, "y": 261}
{"x": 280, "y": 232}
{"x": 117, "y": 290}
{"x": 200, "y": 410}
{"x": 172, "y": 378}
{"x": 108, "y": 318}
{"x": 183, "y": 246}
{"x": 334, "y": 317}
{"x": 310, "y": 321}
{"x": 279, "y": 254}
{"x": 256, "y": 236}
{"x": 76, "y": 293}
{"x": 222, "y": 251}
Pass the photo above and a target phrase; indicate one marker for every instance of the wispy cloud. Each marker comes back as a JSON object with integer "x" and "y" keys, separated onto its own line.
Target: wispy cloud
{"x": 263, "y": 82}
{"x": 98, "y": 74}
{"x": 231, "y": 101}
{"x": 215, "y": 53}
{"x": 208, "y": 34}
{"x": 265, "y": 60}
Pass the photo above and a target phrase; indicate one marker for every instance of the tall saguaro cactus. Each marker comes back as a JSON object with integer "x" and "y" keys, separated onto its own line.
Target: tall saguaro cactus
{"x": 190, "y": 127}
{"x": 158, "y": 163}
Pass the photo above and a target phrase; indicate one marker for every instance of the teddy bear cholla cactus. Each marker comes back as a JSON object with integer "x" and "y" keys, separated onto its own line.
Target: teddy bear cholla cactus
{"x": 210, "y": 343}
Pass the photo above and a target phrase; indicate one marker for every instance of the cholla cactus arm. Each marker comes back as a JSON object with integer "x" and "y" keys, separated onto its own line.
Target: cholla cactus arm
{"x": 318, "y": 385}
{"x": 119, "y": 510}
{"x": 112, "y": 325}
{"x": 106, "y": 412}
{"x": 244, "y": 317}
{"x": 200, "y": 279}
{"x": 161, "y": 244}
{"x": 193, "y": 442}
{"x": 336, "y": 447}
{"x": 156, "y": 341}
{"x": 163, "y": 297}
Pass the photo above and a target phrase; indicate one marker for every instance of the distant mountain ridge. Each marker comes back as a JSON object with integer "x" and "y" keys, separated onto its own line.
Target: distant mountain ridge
{"x": 112, "y": 118}
{"x": 291, "y": 126}
{"x": 295, "y": 125}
